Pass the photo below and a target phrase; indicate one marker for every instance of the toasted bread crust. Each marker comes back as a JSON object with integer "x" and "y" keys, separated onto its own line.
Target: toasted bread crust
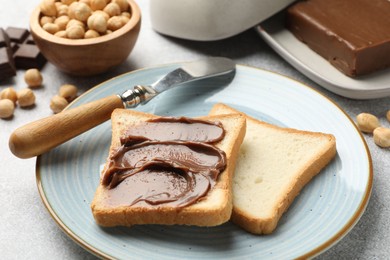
{"x": 211, "y": 210}
{"x": 244, "y": 217}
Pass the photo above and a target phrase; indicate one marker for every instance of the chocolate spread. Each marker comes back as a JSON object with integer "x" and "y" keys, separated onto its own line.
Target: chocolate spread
{"x": 170, "y": 161}
{"x": 353, "y": 35}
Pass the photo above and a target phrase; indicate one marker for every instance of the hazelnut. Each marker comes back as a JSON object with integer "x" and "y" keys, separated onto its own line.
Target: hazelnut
{"x": 68, "y": 91}
{"x": 112, "y": 9}
{"x": 382, "y": 137}
{"x": 9, "y": 93}
{"x": 91, "y": 34}
{"x": 61, "y": 34}
{"x": 75, "y": 22}
{"x": 115, "y": 22}
{"x": 33, "y": 78}
{"x": 48, "y": 8}
{"x": 97, "y": 22}
{"x": 62, "y": 21}
{"x": 123, "y": 4}
{"x": 88, "y": 2}
{"x": 367, "y": 122}
{"x": 388, "y": 115}
{"x": 7, "y": 108}
{"x": 79, "y": 11}
{"x": 57, "y": 104}
{"x": 51, "y": 28}
{"x": 46, "y": 19}
{"x": 98, "y": 4}
{"x": 106, "y": 16}
{"x": 26, "y": 97}
{"x": 68, "y": 2}
{"x": 62, "y": 10}
{"x": 126, "y": 14}
{"x": 75, "y": 32}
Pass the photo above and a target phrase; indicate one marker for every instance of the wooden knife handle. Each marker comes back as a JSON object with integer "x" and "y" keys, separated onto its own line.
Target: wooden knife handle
{"x": 40, "y": 136}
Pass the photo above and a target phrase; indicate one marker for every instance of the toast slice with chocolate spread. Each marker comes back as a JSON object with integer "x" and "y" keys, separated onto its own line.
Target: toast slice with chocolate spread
{"x": 151, "y": 179}
{"x": 273, "y": 166}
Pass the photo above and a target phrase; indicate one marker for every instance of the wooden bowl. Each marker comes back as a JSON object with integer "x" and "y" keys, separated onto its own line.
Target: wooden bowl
{"x": 86, "y": 57}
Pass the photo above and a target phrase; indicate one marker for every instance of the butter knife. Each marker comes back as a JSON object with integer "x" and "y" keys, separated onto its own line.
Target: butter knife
{"x": 42, "y": 135}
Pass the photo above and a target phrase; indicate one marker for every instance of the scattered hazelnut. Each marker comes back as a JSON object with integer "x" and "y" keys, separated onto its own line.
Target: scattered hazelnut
{"x": 97, "y": 22}
{"x": 51, "y": 28}
{"x": 57, "y": 104}
{"x": 9, "y": 93}
{"x": 7, "y": 108}
{"x": 75, "y": 32}
{"x": 26, "y": 97}
{"x": 388, "y": 115}
{"x": 367, "y": 122}
{"x": 382, "y": 137}
{"x": 68, "y": 91}
{"x": 123, "y": 4}
{"x": 33, "y": 78}
{"x": 48, "y": 7}
{"x": 91, "y": 34}
{"x": 98, "y": 4}
{"x": 112, "y": 9}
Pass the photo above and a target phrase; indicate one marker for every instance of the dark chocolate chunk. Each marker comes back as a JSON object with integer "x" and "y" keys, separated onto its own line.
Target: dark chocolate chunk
{"x": 7, "y": 68}
{"x": 29, "y": 40}
{"x": 14, "y": 47}
{"x": 28, "y": 56}
{"x": 17, "y": 34}
{"x": 4, "y": 39}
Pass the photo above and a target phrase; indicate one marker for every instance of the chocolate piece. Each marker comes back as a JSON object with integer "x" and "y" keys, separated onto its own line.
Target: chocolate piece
{"x": 28, "y": 56}
{"x": 14, "y": 47}
{"x": 7, "y": 68}
{"x": 353, "y": 35}
{"x": 29, "y": 40}
{"x": 17, "y": 34}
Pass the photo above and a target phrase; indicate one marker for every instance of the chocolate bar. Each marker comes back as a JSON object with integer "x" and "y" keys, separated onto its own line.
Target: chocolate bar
{"x": 353, "y": 35}
{"x": 18, "y": 51}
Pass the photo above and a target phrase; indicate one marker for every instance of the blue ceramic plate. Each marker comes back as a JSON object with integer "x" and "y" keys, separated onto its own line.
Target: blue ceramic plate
{"x": 327, "y": 208}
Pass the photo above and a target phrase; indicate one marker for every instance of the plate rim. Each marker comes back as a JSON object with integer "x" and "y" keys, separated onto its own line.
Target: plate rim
{"x": 348, "y": 226}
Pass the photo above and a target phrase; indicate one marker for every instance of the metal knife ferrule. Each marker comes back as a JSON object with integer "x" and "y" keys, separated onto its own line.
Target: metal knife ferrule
{"x": 131, "y": 98}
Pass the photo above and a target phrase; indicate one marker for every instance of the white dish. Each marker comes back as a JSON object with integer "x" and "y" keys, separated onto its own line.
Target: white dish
{"x": 327, "y": 208}
{"x": 299, "y": 55}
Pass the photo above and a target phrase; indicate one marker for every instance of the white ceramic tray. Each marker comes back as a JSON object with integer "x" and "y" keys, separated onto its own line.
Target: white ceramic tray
{"x": 299, "y": 55}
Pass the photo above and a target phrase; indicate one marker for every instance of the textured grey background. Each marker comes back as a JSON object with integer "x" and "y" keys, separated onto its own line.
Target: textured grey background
{"x": 28, "y": 232}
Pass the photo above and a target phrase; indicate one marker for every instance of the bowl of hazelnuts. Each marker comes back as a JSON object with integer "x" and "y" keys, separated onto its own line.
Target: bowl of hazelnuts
{"x": 86, "y": 37}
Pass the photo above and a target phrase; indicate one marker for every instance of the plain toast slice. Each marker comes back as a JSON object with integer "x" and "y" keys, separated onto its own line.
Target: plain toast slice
{"x": 273, "y": 165}
{"x": 213, "y": 209}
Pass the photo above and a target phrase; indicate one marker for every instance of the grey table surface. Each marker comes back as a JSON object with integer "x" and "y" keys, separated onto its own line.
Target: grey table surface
{"x": 27, "y": 230}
